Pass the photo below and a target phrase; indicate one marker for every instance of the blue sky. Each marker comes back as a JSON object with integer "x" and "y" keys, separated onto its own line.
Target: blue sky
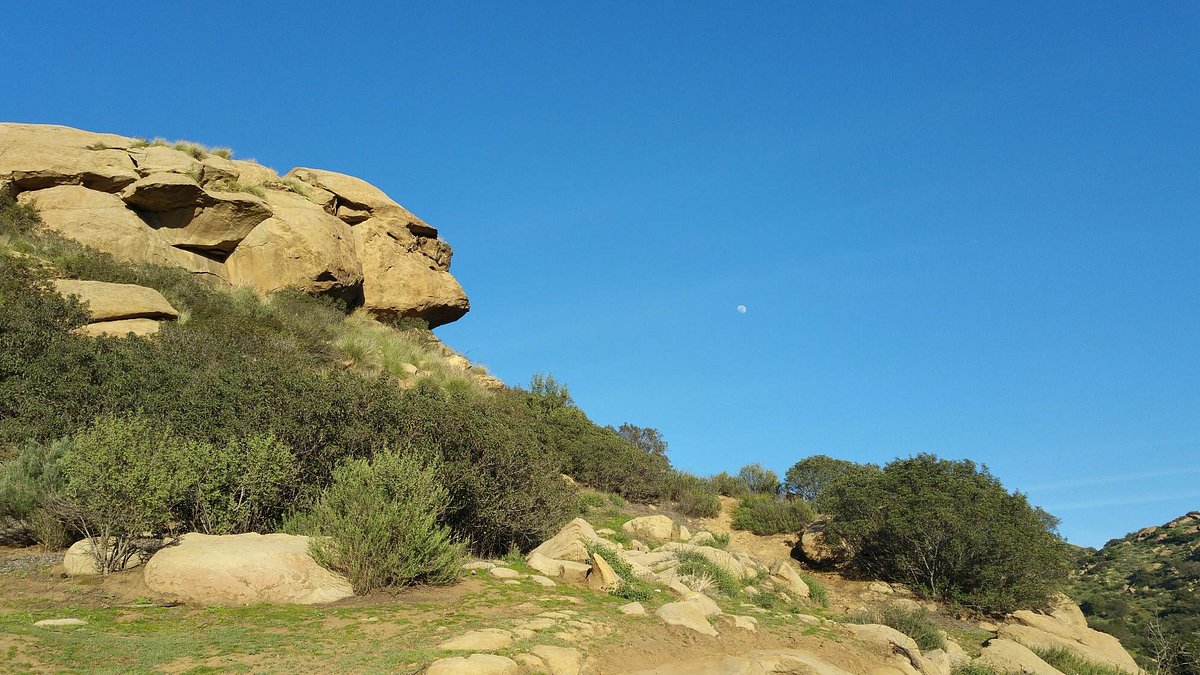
{"x": 967, "y": 229}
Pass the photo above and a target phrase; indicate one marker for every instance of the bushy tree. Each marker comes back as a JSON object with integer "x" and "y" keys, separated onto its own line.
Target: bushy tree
{"x": 30, "y": 486}
{"x": 237, "y": 487}
{"x": 808, "y": 478}
{"x": 729, "y": 486}
{"x": 765, "y": 514}
{"x": 378, "y": 523}
{"x": 759, "y": 480}
{"x": 951, "y": 530}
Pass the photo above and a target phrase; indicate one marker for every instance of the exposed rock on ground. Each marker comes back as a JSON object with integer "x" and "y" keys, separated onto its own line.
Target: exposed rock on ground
{"x": 243, "y": 569}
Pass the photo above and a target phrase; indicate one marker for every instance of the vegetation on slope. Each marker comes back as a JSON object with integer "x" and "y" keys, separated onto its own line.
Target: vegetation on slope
{"x": 1144, "y": 588}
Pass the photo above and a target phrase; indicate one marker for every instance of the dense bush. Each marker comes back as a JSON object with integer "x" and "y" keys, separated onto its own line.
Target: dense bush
{"x": 729, "y": 486}
{"x": 692, "y": 496}
{"x": 378, "y": 523}
{"x": 763, "y": 515}
{"x": 237, "y": 487}
{"x": 759, "y": 480}
{"x": 30, "y": 485}
{"x": 951, "y": 530}
{"x": 808, "y": 478}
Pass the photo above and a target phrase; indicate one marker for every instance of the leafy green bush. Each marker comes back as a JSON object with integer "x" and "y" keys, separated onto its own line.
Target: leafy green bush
{"x": 377, "y": 523}
{"x": 950, "y": 530}
{"x": 759, "y": 480}
{"x": 237, "y": 487}
{"x": 30, "y": 484}
{"x": 698, "y": 502}
{"x": 124, "y": 479}
{"x": 916, "y": 623}
{"x": 764, "y": 515}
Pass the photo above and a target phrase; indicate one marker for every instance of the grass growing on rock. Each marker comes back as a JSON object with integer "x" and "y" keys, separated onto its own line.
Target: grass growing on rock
{"x": 695, "y": 564}
{"x": 631, "y": 587}
{"x": 1071, "y": 663}
{"x": 916, "y": 623}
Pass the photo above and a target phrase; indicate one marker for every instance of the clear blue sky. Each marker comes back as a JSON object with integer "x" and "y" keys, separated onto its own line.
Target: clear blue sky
{"x": 967, "y": 229}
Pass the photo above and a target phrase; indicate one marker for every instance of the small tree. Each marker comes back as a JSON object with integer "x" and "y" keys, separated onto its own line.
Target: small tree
{"x": 379, "y": 526}
{"x": 951, "y": 530}
{"x": 30, "y": 485}
{"x": 808, "y": 478}
{"x": 125, "y": 479}
{"x": 759, "y": 480}
{"x": 237, "y": 487}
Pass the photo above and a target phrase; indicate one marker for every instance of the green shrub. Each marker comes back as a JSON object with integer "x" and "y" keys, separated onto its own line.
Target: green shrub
{"x": 759, "y": 480}
{"x": 949, "y": 530}
{"x": 729, "y": 486}
{"x": 719, "y": 540}
{"x": 695, "y": 564}
{"x": 30, "y": 484}
{"x": 377, "y": 523}
{"x": 631, "y": 587}
{"x": 16, "y": 219}
{"x": 124, "y": 478}
{"x": 764, "y": 515}
{"x": 698, "y": 502}
{"x": 1071, "y": 663}
{"x": 766, "y": 599}
{"x": 816, "y": 590}
{"x": 237, "y": 487}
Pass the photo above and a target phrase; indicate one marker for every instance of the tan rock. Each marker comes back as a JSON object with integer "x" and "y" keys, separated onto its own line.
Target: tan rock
{"x": 300, "y": 246}
{"x": 243, "y": 569}
{"x": 360, "y": 196}
{"x": 633, "y": 609}
{"x": 103, "y": 221}
{"x": 744, "y": 622}
{"x": 154, "y": 159}
{"x": 253, "y": 173}
{"x": 38, "y": 156}
{"x": 475, "y": 664}
{"x": 722, "y": 559}
{"x": 542, "y": 581}
{"x": 486, "y": 639}
{"x": 163, "y": 192}
{"x": 1039, "y": 631}
{"x": 560, "y": 660}
{"x": 657, "y": 527}
{"x": 1006, "y": 656}
{"x": 684, "y": 534}
{"x": 687, "y": 614}
{"x": 815, "y": 549}
{"x": 705, "y": 603}
{"x": 957, "y": 655}
{"x": 702, "y": 538}
{"x": 786, "y": 576}
{"x": 570, "y": 543}
{"x": 530, "y": 662}
{"x": 121, "y": 328}
{"x": 602, "y": 576}
{"x": 80, "y": 560}
{"x": 880, "y": 588}
{"x": 504, "y": 573}
{"x": 893, "y": 641}
{"x": 58, "y": 623}
{"x": 109, "y": 302}
{"x": 399, "y": 280}
{"x": 567, "y": 570}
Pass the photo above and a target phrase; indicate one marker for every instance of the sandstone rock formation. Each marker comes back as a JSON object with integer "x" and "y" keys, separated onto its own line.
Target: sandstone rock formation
{"x": 118, "y": 309}
{"x": 243, "y": 569}
{"x": 233, "y": 220}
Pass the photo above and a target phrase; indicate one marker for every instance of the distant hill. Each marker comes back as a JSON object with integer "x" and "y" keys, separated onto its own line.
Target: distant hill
{"x": 1147, "y": 578}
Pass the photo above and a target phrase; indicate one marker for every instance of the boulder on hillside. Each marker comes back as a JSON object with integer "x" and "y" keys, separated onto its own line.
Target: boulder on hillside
{"x": 688, "y": 614}
{"x": 243, "y": 569}
{"x": 786, "y": 576}
{"x": 215, "y": 224}
{"x": 650, "y": 527}
{"x": 1006, "y": 656}
{"x": 104, "y": 222}
{"x": 816, "y": 550}
{"x": 571, "y": 542}
{"x": 39, "y": 156}
{"x": 111, "y": 302}
{"x": 721, "y": 558}
{"x": 401, "y": 279}
{"x": 358, "y": 200}
{"x": 1042, "y": 631}
{"x": 121, "y": 328}
{"x": 299, "y": 246}
{"x": 163, "y": 191}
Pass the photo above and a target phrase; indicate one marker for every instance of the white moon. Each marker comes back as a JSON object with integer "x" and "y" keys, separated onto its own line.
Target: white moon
{"x": 741, "y": 309}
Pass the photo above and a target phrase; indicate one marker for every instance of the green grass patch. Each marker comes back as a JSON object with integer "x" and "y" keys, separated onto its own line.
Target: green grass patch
{"x": 695, "y": 564}
{"x": 631, "y": 587}
{"x": 916, "y": 623}
{"x": 816, "y": 590}
{"x": 1071, "y": 663}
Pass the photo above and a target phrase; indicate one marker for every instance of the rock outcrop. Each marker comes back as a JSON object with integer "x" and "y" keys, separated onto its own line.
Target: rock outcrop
{"x": 118, "y": 309}
{"x": 233, "y": 220}
{"x": 243, "y": 569}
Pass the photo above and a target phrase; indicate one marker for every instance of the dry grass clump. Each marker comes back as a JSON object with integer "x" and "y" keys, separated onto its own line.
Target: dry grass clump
{"x": 411, "y": 355}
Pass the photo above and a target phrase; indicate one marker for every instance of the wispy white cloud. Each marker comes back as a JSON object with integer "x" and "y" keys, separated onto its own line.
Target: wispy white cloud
{"x": 1122, "y": 501}
{"x": 1114, "y": 478}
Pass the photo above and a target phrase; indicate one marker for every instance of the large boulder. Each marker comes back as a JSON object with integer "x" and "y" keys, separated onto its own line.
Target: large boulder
{"x": 243, "y": 569}
{"x": 722, "y": 559}
{"x": 786, "y": 576}
{"x": 406, "y": 275}
{"x": 111, "y": 302}
{"x": 1006, "y": 656}
{"x": 1042, "y": 631}
{"x": 358, "y": 200}
{"x": 475, "y": 664}
{"x": 659, "y": 528}
{"x": 104, "y": 222}
{"x": 163, "y": 191}
{"x": 691, "y": 615}
{"x": 815, "y": 548}
{"x": 571, "y": 542}
{"x": 299, "y": 246}
{"x": 215, "y": 223}
{"x": 38, "y": 156}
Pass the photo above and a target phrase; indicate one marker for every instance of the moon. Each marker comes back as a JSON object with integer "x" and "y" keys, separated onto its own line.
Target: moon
{"x": 741, "y": 309}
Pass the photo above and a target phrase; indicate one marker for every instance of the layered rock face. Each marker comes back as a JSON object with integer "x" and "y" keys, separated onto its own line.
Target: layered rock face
{"x": 233, "y": 220}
